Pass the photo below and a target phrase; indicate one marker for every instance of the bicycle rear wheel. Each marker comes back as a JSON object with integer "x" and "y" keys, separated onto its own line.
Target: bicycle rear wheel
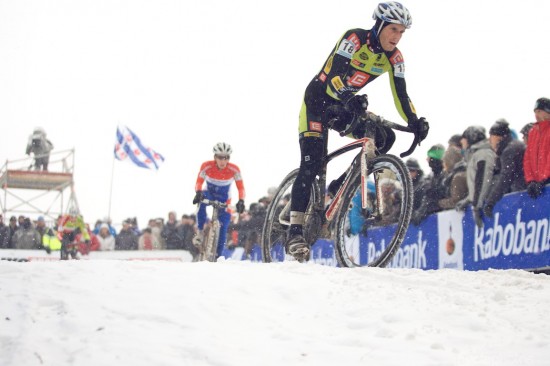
{"x": 371, "y": 237}
{"x": 277, "y": 220}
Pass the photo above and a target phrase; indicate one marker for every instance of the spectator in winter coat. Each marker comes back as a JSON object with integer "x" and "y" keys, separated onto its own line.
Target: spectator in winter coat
{"x": 536, "y": 162}
{"x": 106, "y": 221}
{"x": 508, "y": 172}
{"x": 4, "y": 234}
{"x": 93, "y": 243}
{"x": 40, "y": 225}
{"x": 392, "y": 194}
{"x": 105, "y": 238}
{"x": 433, "y": 186}
{"x": 456, "y": 187}
{"x": 480, "y": 163}
{"x": 147, "y": 241}
{"x": 126, "y": 238}
{"x": 257, "y": 212}
{"x": 170, "y": 233}
{"x": 13, "y": 227}
{"x": 417, "y": 176}
{"x": 525, "y": 131}
{"x": 27, "y": 237}
{"x": 51, "y": 241}
{"x": 40, "y": 147}
{"x": 187, "y": 231}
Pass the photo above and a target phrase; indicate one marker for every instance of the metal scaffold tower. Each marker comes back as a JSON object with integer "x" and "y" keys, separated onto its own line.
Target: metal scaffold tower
{"x": 31, "y": 191}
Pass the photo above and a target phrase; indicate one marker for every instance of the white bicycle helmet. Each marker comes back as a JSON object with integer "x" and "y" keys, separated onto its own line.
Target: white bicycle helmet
{"x": 393, "y": 12}
{"x": 222, "y": 148}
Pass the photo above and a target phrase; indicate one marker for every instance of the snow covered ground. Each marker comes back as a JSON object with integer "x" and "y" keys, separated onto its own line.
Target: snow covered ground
{"x": 115, "y": 312}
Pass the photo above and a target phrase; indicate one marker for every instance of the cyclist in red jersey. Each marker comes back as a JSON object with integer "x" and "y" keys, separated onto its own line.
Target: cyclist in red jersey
{"x": 218, "y": 174}
{"x": 358, "y": 58}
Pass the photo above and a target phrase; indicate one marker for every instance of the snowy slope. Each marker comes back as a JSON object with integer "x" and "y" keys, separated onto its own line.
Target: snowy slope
{"x": 111, "y": 312}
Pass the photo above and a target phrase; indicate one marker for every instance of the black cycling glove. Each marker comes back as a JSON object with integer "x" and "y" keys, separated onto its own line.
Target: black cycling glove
{"x": 357, "y": 104}
{"x": 420, "y": 128}
{"x": 240, "y": 206}
{"x": 198, "y": 197}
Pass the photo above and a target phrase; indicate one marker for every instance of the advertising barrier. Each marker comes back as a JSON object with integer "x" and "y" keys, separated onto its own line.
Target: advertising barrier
{"x": 516, "y": 237}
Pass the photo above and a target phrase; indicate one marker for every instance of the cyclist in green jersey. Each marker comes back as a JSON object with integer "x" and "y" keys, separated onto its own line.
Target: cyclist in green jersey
{"x": 358, "y": 58}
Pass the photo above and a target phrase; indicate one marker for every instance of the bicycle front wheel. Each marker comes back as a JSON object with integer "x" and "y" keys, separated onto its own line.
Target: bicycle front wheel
{"x": 372, "y": 236}
{"x": 277, "y": 220}
{"x": 211, "y": 240}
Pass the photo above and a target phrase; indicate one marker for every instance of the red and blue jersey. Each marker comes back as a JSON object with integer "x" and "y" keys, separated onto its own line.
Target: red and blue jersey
{"x": 218, "y": 181}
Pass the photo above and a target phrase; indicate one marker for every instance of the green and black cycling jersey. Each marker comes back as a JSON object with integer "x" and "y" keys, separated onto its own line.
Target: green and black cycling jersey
{"x": 356, "y": 60}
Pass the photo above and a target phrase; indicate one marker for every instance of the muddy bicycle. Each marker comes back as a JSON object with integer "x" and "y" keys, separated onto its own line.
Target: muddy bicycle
{"x": 207, "y": 243}
{"x": 384, "y": 222}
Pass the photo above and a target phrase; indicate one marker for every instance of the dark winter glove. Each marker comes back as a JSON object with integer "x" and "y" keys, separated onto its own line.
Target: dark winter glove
{"x": 477, "y": 217}
{"x": 198, "y": 197}
{"x": 357, "y": 104}
{"x": 240, "y": 206}
{"x": 48, "y": 250}
{"x": 420, "y": 128}
{"x": 534, "y": 189}
{"x": 462, "y": 204}
{"x": 488, "y": 210}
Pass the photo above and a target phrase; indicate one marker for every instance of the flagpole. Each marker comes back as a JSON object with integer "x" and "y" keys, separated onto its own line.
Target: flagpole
{"x": 111, "y": 190}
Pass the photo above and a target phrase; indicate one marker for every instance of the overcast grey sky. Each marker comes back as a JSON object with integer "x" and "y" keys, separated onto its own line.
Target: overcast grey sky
{"x": 184, "y": 76}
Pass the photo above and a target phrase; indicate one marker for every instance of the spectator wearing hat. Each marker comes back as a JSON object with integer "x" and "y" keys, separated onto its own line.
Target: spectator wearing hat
{"x": 13, "y": 227}
{"x": 27, "y": 237}
{"x": 433, "y": 186}
{"x": 40, "y": 147}
{"x": 455, "y": 141}
{"x": 536, "y": 162}
{"x": 456, "y": 187}
{"x": 105, "y": 238}
{"x": 126, "y": 238}
{"x": 480, "y": 162}
{"x": 525, "y": 131}
{"x": 41, "y": 225}
{"x": 147, "y": 241}
{"x": 4, "y": 234}
{"x": 187, "y": 230}
{"x": 417, "y": 176}
{"x": 172, "y": 237}
{"x": 508, "y": 172}
{"x": 108, "y": 222}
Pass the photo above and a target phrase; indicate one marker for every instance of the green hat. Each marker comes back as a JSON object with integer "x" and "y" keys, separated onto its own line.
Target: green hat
{"x": 436, "y": 152}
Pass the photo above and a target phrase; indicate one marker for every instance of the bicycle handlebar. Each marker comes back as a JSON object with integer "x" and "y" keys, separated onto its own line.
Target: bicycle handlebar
{"x": 396, "y": 126}
{"x": 214, "y": 203}
{"x": 369, "y": 116}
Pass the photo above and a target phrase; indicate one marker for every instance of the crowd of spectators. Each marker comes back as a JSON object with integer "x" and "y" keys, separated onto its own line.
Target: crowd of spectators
{"x": 477, "y": 168}
{"x": 159, "y": 234}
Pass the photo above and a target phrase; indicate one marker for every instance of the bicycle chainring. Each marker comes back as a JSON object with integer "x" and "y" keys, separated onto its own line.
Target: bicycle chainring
{"x": 312, "y": 227}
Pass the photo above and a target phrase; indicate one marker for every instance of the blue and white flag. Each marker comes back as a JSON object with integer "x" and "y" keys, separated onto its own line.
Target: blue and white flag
{"x": 128, "y": 145}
